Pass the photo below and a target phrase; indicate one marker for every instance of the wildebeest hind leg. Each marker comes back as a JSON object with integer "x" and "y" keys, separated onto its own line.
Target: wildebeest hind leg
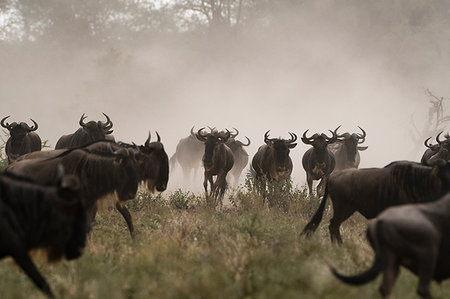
{"x": 127, "y": 216}
{"x": 24, "y": 261}
{"x": 390, "y": 274}
{"x": 426, "y": 266}
{"x": 339, "y": 216}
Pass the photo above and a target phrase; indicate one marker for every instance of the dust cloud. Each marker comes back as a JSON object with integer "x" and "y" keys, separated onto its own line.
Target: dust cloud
{"x": 317, "y": 66}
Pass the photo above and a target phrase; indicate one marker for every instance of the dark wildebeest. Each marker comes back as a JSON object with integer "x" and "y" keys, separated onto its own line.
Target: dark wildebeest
{"x": 88, "y": 133}
{"x": 100, "y": 174}
{"x": 240, "y": 155}
{"x": 272, "y": 162}
{"x": 441, "y": 150}
{"x": 217, "y": 161}
{"x": 22, "y": 139}
{"x": 346, "y": 150}
{"x": 369, "y": 191}
{"x": 33, "y": 216}
{"x": 188, "y": 154}
{"x": 415, "y": 236}
{"x": 318, "y": 161}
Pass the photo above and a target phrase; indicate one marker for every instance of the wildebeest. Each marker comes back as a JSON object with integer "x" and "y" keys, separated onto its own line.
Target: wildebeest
{"x": 430, "y": 151}
{"x": 318, "y": 161}
{"x": 272, "y": 162}
{"x": 369, "y": 191}
{"x": 22, "y": 139}
{"x": 240, "y": 155}
{"x": 415, "y": 236}
{"x": 100, "y": 174}
{"x": 441, "y": 150}
{"x": 188, "y": 154}
{"x": 88, "y": 133}
{"x": 346, "y": 150}
{"x": 33, "y": 216}
{"x": 217, "y": 161}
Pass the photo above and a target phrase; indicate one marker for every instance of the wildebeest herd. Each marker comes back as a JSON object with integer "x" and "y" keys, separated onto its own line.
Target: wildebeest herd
{"x": 408, "y": 199}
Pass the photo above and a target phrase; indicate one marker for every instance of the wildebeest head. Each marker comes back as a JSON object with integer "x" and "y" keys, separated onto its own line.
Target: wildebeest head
{"x": 126, "y": 158}
{"x": 281, "y": 148}
{"x": 351, "y": 142}
{"x": 320, "y": 141}
{"x": 153, "y": 164}
{"x": 211, "y": 141}
{"x": 18, "y": 130}
{"x": 97, "y": 130}
{"x": 235, "y": 144}
{"x": 441, "y": 151}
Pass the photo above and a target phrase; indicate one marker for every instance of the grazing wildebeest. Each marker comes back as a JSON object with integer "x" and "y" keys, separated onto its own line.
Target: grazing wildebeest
{"x": 415, "y": 236}
{"x": 346, "y": 150}
{"x": 188, "y": 154}
{"x": 318, "y": 161}
{"x": 369, "y": 191}
{"x": 217, "y": 161}
{"x": 22, "y": 139}
{"x": 240, "y": 155}
{"x": 88, "y": 133}
{"x": 50, "y": 217}
{"x": 272, "y": 162}
{"x": 100, "y": 174}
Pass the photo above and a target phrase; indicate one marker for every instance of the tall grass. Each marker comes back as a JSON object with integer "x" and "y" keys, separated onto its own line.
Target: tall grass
{"x": 185, "y": 248}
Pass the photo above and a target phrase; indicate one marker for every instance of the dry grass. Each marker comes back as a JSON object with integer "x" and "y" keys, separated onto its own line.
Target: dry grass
{"x": 185, "y": 249}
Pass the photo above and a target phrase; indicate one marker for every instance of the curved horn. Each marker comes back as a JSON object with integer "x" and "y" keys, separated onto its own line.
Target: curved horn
{"x": 293, "y": 137}
{"x": 437, "y": 138}
{"x": 429, "y": 145}
{"x": 7, "y": 125}
{"x": 266, "y": 137}
{"x": 363, "y": 136}
{"x": 235, "y": 134}
{"x": 157, "y": 135}
{"x": 82, "y": 118}
{"x": 333, "y": 138}
{"x": 147, "y": 142}
{"x": 200, "y": 136}
{"x": 34, "y": 127}
{"x": 248, "y": 142}
{"x": 192, "y": 131}
{"x": 307, "y": 140}
{"x": 108, "y": 125}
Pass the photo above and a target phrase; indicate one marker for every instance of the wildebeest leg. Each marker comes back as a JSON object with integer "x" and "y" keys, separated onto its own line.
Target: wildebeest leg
{"x": 91, "y": 211}
{"x": 340, "y": 214}
{"x": 221, "y": 185}
{"x": 309, "y": 180}
{"x": 426, "y": 260}
{"x": 390, "y": 274}
{"x": 22, "y": 258}
{"x": 127, "y": 216}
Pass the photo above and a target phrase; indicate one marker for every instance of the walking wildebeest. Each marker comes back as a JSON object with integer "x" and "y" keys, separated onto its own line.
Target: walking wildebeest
{"x": 88, "y": 133}
{"x": 188, "y": 154}
{"x": 100, "y": 174}
{"x": 217, "y": 161}
{"x": 415, "y": 236}
{"x": 369, "y": 191}
{"x": 272, "y": 162}
{"x": 346, "y": 150}
{"x": 22, "y": 139}
{"x": 50, "y": 217}
{"x": 240, "y": 155}
{"x": 318, "y": 161}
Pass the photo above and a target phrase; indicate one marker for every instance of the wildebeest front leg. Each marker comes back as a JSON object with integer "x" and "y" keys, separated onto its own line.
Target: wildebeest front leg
{"x": 390, "y": 274}
{"x": 127, "y": 216}
{"x": 24, "y": 261}
{"x": 426, "y": 263}
{"x": 309, "y": 180}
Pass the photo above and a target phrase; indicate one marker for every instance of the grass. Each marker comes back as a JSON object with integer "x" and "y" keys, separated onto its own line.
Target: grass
{"x": 186, "y": 249}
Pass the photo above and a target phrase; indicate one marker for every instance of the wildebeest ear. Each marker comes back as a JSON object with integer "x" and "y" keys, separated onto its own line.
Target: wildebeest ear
{"x": 292, "y": 145}
{"x": 362, "y": 148}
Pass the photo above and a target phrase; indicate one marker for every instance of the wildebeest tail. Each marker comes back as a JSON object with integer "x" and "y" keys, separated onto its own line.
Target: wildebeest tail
{"x": 377, "y": 266}
{"x": 315, "y": 220}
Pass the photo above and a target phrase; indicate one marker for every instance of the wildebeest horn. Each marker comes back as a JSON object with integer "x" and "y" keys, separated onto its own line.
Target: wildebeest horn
{"x": 34, "y": 127}
{"x": 157, "y": 135}
{"x": 82, "y": 118}
{"x": 192, "y": 131}
{"x": 7, "y": 125}
{"x": 147, "y": 142}
{"x": 429, "y": 145}
{"x": 235, "y": 134}
{"x": 437, "y": 137}
{"x": 248, "y": 140}
{"x": 212, "y": 129}
{"x": 333, "y": 138}
{"x": 266, "y": 137}
{"x": 108, "y": 125}
{"x": 307, "y": 140}
{"x": 293, "y": 137}
{"x": 225, "y": 136}
{"x": 361, "y": 138}
{"x": 200, "y": 136}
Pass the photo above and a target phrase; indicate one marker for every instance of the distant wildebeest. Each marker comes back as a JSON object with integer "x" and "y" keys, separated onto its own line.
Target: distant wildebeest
{"x": 188, "y": 154}
{"x": 272, "y": 163}
{"x": 318, "y": 161}
{"x": 33, "y": 216}
{"x": 240, "y": 155}
{"x": 100, "y": 174}
{"x": 217, "y": 161}
{"x": 415, "y": 236}
{"x": 88, "y": 133}
{"x": 369, "y": 191}
{"x": 22, "y": 139}
{"x": 441, "y": 150}
{"x": 346, "y": 150}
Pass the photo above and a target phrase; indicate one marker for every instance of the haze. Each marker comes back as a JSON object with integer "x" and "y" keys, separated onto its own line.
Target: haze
{"x": 292, "y": 67}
